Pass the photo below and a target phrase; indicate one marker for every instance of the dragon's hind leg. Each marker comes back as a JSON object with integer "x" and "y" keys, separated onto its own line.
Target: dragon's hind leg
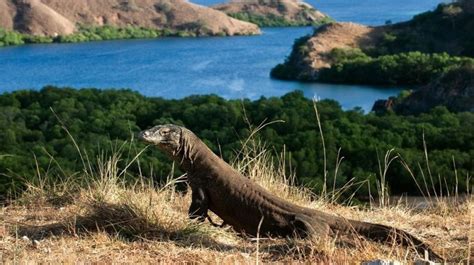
{"x": 307, "y": 227}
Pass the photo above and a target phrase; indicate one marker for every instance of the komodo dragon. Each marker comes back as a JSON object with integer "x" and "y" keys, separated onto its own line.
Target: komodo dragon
{"x": 248, "y": 207}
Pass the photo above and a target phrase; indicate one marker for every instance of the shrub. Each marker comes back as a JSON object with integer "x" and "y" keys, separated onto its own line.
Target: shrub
{"x": 411, "y": 68}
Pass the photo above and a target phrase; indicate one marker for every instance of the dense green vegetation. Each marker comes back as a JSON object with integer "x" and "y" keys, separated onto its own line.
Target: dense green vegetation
{"x": 291, "y": 69}
{"x": 103, "y": 120}
{"x": 272, "y": 20}
{"x": 448, "y": 28}
{"x": 410, "y": 68}
{"x": 453, "y": 90}
{"x": 92, "y": 33}
{"x": 409, "y": 53}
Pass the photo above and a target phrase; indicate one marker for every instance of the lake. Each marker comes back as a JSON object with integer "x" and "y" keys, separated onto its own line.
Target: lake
{"x": 232, "y": 67}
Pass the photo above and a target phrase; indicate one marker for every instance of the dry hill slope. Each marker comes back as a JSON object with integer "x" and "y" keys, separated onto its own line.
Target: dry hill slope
{"x": 7, "y": 13}
{"x": 61, "y": 17}
{"x": 266, "y": 12}
{"x": 337, "y": 35}
{"x": 39, "y": 19}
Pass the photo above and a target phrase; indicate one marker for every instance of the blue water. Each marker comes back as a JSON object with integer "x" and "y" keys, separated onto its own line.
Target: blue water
{"x": 234, "y": 67}
{"x": 369, "y": 12}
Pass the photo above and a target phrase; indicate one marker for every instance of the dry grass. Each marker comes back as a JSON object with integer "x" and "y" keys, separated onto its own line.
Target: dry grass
{"x": 107, "y": 220}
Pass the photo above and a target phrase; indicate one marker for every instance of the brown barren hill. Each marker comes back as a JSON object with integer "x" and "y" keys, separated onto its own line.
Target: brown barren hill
{"x": 7, "y": 13}
{"x": 292, "y": 11}
{"x": 34, "y": 17}
{"x": 333, "y": 36}
{"x": 51, "y": 17}
{"x": 310, "y": 54}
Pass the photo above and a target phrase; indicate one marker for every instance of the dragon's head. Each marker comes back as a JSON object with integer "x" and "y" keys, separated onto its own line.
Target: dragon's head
{"x": 166, "y": 137}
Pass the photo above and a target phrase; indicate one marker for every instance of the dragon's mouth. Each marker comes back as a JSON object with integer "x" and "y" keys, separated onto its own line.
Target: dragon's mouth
{"x": 144, "y": 136}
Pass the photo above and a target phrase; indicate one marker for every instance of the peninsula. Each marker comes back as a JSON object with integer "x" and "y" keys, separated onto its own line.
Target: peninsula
{"x": 267, "y": 13}
{"x": 44, "y": 20}
{"x": 408, "y": 53}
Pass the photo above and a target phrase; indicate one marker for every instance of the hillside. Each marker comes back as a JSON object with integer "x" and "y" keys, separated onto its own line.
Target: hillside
{"x": 63, "y": 17}
{"x": 352, "y": 53}
{"x": 454, "y": 90}
{"x": 268, "y": 13}
{"x": 310, "y": 54}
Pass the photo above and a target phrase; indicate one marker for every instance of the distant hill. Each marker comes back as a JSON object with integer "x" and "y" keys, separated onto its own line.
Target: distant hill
{"x": 268, "y": 13}
{"x": 352, "y": 53}
{"x": 63, "y": 17}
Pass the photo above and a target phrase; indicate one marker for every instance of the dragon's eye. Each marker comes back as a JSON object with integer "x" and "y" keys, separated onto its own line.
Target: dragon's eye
{"x": 164, "y": 132}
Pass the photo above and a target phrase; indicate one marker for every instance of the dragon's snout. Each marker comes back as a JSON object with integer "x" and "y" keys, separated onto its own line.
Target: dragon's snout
{"x": 144, "y": 135}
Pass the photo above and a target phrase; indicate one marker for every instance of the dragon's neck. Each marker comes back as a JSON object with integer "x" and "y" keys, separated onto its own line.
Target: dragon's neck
{"x": 195, "y": 154}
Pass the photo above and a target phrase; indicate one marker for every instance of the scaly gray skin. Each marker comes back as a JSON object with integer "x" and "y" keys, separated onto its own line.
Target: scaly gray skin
{"x": 243, "y": 204}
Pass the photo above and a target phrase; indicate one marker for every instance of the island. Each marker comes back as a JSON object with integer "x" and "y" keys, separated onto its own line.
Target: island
{"x": 274, "y": 13}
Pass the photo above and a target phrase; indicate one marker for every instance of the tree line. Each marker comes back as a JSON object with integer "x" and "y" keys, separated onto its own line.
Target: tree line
{"x": 97, "y": 33}
{"x": 34, "y": 139}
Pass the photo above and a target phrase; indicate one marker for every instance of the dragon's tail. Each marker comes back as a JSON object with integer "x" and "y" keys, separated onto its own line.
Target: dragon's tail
{"x": 383, "y": 233}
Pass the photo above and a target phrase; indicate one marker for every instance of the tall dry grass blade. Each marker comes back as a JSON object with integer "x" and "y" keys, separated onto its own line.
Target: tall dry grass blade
{"x": 423, "y": 176}
{"x": 440, "y": 183}
{"x": 428, "y": 167}
{"x": 471, "y": 233}
{"x": 64, "y": 127}
{"x": 253, "y": 132}
{"x": 88, "y": 170}
{"x": 257, "y": 256}
{"x": 51, "y": 157}
{"x": 133, "y": 160}
{"x": 325, "y": 175}
{"x": 336, "y": 171}
{"x": 456, "y": 179}
{"x": 408, "y": 169}
{"x": 382, "y": 186}
{"x": 41, "y": 181}
{"x": 448, "y": 193}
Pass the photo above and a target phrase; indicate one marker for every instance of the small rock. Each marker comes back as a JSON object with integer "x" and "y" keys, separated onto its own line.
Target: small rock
{"x": 36, "y": 243}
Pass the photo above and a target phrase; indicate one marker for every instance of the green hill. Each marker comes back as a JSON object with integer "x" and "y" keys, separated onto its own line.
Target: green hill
{"x": 408, "y": 53}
